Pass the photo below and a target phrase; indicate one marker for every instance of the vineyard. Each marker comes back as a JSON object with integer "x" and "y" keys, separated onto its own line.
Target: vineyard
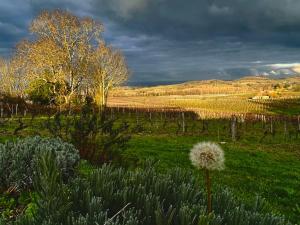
{"x": 216, "y": 99}
{"x": 213, "y": 107}
{"x": 173, "y": 121}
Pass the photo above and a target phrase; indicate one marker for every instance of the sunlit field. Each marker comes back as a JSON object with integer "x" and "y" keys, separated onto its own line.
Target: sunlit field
{"x": 217, "y": 99}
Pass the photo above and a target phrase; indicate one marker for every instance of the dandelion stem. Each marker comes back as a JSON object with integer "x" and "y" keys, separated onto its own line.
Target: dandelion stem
{"x": 208, "y": 188}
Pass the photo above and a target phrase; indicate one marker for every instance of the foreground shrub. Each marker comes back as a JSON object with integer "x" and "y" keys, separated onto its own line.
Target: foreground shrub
{"x": 110, "y": 196}
{"x": 18, "y": 160}
{"x": 98, "y": 138}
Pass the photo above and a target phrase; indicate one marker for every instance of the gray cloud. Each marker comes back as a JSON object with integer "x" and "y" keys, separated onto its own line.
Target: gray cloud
{"x": 171, "y": 40}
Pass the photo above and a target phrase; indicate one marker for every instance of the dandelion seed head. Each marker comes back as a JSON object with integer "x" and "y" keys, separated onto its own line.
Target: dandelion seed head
{"x": 207, "y": 155}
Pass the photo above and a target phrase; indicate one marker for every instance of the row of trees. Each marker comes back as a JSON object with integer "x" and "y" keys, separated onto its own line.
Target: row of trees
{"x": 66, "y": 58}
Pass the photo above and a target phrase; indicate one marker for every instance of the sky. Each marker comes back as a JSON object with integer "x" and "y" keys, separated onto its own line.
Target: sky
{"x": 167, "y": 41}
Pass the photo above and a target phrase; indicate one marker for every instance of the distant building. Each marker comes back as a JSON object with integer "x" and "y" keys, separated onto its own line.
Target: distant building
{"x": 263, "y": 97}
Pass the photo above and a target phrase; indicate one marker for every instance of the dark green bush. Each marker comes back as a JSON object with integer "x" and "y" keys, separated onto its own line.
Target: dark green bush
{"x": 110, "y": 196}
{"x": 98, "y": 138}
{"x": 18, "y": 160}
{"x": 44, "y": 93}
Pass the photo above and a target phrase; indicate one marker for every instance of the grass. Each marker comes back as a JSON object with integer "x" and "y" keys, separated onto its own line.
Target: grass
{"x": 285, "y": 107}
{"x": 271, "y": 171}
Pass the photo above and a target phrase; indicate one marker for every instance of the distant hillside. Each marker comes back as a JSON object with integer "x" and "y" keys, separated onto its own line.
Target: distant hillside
{"x": 250, "y": 84}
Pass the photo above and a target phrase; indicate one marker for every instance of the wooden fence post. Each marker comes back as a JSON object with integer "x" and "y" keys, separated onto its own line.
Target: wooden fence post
{"x": 285, "y": 129}
{"x": 137, "y": 116}
{"x": 272, "y": 131}
{"x": 183, "y": 122}
{"x": 1, "y": 110}
{"x": 233, "y": 128}
{"x": 16, "y": 111}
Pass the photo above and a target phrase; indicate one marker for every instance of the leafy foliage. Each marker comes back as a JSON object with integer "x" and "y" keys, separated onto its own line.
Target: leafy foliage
{"x": 18, "y": 160}
{"x": 43, "y": 93}
{"x": 51, "y": 199}
{"x": 12, "y": 205}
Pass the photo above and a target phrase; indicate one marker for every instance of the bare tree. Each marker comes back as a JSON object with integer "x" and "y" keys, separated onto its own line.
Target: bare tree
{"x": 109, "y": 70}
{"x": 61, "y": 49}
{"x": 69, "y": 53}
{"x": 5, "y": 80}
{"x": 12, "y": 79}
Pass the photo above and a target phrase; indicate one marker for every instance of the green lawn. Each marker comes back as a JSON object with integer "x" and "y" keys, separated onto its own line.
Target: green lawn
{"x": 269, "y": 170}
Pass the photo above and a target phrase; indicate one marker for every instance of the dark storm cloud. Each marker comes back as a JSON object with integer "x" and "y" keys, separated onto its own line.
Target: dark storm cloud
{"x": 218, "y": 58}
{"x": 200, "y": 39}
{"x": 12, "y": 24}
{"x": 171, "y": 40}
{"x": 192, "y": 19}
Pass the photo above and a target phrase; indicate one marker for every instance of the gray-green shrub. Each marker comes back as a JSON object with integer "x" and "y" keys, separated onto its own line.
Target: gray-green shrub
{"x": 18, "y": 160}
{"x": 171, "y": 198}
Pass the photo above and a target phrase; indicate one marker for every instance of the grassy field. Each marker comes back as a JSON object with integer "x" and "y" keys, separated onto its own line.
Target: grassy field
{"x": 271, "y": 171}
{"x": 268, "y": 167}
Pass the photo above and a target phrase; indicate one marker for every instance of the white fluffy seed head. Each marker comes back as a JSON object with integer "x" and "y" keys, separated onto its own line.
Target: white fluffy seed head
{"x": 207, "y": 155}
